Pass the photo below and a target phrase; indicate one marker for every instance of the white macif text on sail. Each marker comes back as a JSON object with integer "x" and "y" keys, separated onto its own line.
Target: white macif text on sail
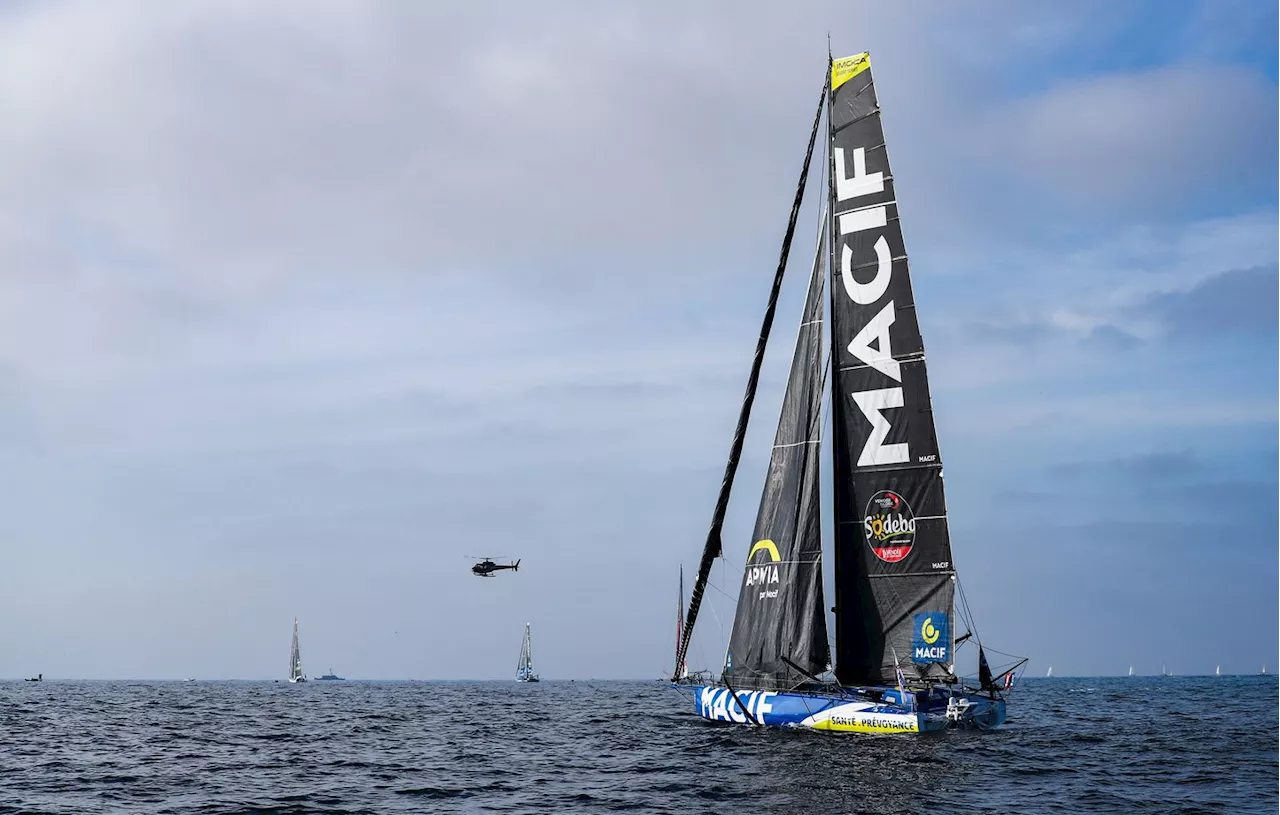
{"x": 872, "y": 403}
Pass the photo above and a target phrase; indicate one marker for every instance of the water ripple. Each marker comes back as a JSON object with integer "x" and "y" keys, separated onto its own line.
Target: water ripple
{"x": 1174, "y": 745}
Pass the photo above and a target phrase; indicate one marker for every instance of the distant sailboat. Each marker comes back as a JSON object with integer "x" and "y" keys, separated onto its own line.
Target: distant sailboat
{"x": 1217, "y": 671}
{"x": 524, "y": 669}
{"x": 1163, "y": 672}
{"x": 1050, "y": 673}
{"x": 1130, "y": 670}
{"x": 1263, "y": 672}
{"x": 295, "y": 658}
{"x": 681, "y": 670}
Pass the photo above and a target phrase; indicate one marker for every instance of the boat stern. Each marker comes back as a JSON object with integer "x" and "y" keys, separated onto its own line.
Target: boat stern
{"x": 976, "y": 712}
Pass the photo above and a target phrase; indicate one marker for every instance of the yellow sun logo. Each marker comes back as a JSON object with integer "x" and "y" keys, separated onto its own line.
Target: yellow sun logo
{"x": 766, "y": 546}
{"x": 927, "y": 632}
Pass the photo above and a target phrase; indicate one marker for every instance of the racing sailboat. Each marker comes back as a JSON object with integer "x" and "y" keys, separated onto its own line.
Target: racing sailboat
{"x": 524, "y": 668}
{"x": 896, "y": 612}
{"x": 295, "y": 658}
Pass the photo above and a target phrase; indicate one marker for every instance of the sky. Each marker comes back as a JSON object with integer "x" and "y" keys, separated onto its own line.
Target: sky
{"x": 304, "y": 307}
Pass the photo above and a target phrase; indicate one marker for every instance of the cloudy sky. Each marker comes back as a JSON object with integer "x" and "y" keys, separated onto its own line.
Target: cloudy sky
{"x": 301, "y": 308}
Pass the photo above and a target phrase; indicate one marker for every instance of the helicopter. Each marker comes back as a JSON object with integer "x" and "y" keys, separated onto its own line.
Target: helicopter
{"x": 487, "y": 567}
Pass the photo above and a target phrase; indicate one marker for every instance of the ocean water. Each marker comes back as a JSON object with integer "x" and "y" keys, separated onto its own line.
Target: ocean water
{"x": 1112, "y": 745}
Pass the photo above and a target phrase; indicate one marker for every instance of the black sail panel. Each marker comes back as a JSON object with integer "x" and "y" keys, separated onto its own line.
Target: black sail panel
{"x": 894, "y": 579}
{"x": 712, "y": 548}
{"x": 781, "y": 622}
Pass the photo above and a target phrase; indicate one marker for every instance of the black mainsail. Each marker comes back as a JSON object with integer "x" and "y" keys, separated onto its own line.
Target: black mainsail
{"x": 779, "y": 634}
{"x": 894, "y": 581}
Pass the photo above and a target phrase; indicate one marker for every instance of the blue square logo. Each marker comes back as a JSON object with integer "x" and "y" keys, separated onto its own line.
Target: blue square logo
{"x": 931, "y": 638}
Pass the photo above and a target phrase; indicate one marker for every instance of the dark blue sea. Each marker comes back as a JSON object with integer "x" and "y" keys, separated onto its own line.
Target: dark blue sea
{"x": 1113, "y": 745}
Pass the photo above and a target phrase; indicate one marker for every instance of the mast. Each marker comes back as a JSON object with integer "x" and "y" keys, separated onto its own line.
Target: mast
{"x": 528, "y": 648}
{"x": 713, "y": 547}
{"x": 679, "y": 672}
{"x": 894, "y": 581}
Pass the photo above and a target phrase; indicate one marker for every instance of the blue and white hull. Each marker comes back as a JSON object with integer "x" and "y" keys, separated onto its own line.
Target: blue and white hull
{"x": 921, "y": 712}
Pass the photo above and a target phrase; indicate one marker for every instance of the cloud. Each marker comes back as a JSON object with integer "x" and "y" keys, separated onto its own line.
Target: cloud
{"x": 299, "y": 306}
{"x": 1236, "y": 302}
{"x": 1183, "y": 138}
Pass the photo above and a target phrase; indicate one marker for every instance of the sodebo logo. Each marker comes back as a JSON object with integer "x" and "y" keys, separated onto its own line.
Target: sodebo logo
{"x": 889, "y": 526}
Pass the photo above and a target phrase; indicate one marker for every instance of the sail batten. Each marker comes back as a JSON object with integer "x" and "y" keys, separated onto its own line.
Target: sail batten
{"x": 894, "y": 581}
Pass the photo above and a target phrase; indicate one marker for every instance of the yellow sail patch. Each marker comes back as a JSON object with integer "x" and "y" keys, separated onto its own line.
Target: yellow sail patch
{"x": 768, "y": 546}
{"x": 846, "y": 68}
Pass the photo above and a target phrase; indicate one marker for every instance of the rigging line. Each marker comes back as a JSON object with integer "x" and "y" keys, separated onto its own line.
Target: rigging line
{"x": 714, "y": 547}
{"x": 716, "y": 614}
{"x": 964, "y": 601}
{"x": 723, "y": 593}
{"x": 1006, "y": 654}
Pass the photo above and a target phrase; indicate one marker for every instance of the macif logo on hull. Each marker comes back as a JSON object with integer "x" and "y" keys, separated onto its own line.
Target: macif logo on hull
{"x": 720, "y": 704}
{"x": 931, "y": 637}
{"x": 889, "y": 526}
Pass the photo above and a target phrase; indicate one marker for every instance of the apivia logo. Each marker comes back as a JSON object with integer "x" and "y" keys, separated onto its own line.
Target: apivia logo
{"x": 764, "y": 572}
{"x": 873, "y": 402}
{"x": 889, "y": 526}
{"x": 931, "y": 637}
